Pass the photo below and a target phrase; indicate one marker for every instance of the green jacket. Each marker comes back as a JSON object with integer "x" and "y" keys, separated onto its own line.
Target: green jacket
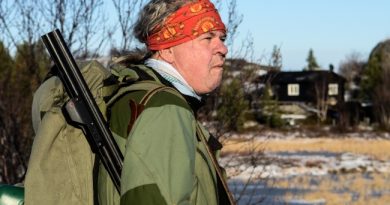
{"x": 164, "y": 160}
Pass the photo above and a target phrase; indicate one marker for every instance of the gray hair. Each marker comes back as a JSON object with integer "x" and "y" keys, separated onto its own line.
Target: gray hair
{"x": 154, "y": 13}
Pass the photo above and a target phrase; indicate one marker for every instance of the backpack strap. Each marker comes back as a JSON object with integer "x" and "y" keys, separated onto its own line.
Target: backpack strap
{"x": 125, "y": 79}
{"x": 146, "y": 85}
{"x": 151, "y": 88}
{"x": 136, "y": 109}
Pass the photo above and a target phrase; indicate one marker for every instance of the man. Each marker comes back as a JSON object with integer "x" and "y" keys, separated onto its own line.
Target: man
{"x": 165, "y": 161}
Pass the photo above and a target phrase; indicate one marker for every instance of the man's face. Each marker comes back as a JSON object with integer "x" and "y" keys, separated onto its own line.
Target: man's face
{"x": 200, "y": 61}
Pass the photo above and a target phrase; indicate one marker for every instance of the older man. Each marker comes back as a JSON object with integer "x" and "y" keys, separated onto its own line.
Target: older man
{"x": 168, "y": 156}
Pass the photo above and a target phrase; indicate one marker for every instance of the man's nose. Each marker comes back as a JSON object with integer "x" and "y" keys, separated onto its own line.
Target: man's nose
{"x": 221, "y": 47}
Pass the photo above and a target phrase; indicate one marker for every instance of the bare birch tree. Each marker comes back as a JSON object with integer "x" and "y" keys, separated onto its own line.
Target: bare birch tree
{"x": 6, "y": 10}
{"x": 321, "y": 99}
{"x": 21, "y": 24}
{"x": 233, "y": 95}
{"x": 126, "y": 12}
{"x": 81, "y": 22}
{"x": 381, "y": 98}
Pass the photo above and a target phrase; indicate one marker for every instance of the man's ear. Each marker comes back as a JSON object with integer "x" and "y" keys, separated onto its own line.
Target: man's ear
{"x": 167, "y": 55}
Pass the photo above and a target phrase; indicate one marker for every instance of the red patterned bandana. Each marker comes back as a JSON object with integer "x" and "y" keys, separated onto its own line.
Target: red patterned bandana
{"x": 185, "y": 24}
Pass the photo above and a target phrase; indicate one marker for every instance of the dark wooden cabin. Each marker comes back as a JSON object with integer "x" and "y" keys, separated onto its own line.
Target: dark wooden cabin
{"x": 306, "y": 86}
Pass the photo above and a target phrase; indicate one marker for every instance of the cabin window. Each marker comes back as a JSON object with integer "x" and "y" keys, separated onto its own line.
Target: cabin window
{"x": 293, "y": 89}
{"x": 333, "y": 89}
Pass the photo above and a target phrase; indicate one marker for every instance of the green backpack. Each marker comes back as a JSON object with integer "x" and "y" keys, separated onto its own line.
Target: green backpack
{"x": 61, "y": 164}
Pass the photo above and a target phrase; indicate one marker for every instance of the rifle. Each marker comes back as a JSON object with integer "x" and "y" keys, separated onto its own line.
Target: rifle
{"x": 82, "y": 109}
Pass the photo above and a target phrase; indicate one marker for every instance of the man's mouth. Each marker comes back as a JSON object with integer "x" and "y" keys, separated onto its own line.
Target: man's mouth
{"x": 218, "y": 66}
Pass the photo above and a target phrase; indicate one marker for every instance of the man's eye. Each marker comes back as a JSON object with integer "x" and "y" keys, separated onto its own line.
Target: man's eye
{"x": 223, "y": 38}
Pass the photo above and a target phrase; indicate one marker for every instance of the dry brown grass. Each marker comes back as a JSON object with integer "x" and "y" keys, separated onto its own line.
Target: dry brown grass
{"x": 378, "y": 148}
{"x": 329, "y": 189}
{"x": 356, "y": 188}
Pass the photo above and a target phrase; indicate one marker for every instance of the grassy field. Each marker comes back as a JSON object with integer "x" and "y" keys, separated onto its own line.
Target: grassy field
{"x": 332, "y": 189}
{"x": 377, "y": 148}
{"x": 356, "y": 188}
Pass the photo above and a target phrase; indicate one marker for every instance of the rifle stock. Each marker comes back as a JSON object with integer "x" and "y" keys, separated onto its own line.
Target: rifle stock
{"x": 82, "y": 108}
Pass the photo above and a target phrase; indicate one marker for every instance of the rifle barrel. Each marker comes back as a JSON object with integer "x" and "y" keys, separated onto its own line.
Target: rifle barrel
{"x": 92, "y": 123}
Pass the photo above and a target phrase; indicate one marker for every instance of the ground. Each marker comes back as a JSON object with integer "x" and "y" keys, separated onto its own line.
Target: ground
{"x": 300, "y": 168}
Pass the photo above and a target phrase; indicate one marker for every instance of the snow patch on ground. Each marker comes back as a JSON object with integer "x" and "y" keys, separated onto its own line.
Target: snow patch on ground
{"x": 278, "y": 165}
{"x": 250, "y": 171}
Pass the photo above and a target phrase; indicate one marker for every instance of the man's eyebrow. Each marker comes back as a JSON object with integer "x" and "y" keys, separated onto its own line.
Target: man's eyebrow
{"x": 214, "y": 33}
{"x": 211, "y": 33}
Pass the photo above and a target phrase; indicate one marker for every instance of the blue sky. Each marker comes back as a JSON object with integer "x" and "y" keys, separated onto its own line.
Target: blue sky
{"x": 334, "y": 29}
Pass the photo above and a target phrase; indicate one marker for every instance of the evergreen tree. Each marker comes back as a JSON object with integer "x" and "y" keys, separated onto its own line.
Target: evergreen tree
{"x": 269, "y": 108}
{"x": 6, "y": 61}
{"x": 311, "y": 61}
{"x": 331, "y": 67}
{"x": 32, "y": 63}
{"x": 23, "y": 76}
{"x": 371, "y": 76}
{"x": 376, "y": 83}
{"x": 9, "y": 163}
{"x": 233, "y": 105}
{"x": 276, "y": 59}
{"x": 6, "y": 65}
